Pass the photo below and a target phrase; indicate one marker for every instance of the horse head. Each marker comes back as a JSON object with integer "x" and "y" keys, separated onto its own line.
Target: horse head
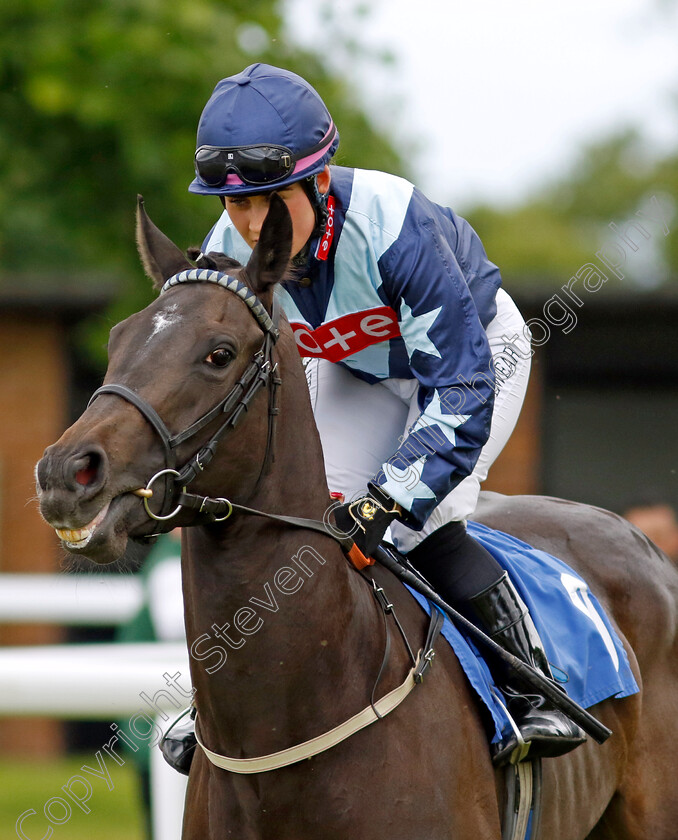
{"x": 177, "y": 371}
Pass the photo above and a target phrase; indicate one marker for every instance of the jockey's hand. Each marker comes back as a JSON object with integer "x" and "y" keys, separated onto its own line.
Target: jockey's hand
{"x": 367, "y": 518}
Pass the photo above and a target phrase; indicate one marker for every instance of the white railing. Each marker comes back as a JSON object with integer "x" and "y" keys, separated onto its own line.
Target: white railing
{"x": 69, "y": 599}
{"x": 92, "y": 681}
{"x": 95, "y": 681}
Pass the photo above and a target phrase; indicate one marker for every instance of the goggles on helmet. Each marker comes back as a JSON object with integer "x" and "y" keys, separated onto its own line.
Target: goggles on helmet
{"x": 258, "y": 165}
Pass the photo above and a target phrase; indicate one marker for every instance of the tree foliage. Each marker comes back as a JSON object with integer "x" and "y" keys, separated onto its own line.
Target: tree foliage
{"x": 100, "y": 101}
{"x": 542, "y": 241}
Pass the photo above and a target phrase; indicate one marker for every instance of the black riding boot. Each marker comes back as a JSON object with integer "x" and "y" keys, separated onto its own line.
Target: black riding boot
{"x": 179, "y": 743}
{"x": 503, "y": 615}
{"x": 470, "y": 579}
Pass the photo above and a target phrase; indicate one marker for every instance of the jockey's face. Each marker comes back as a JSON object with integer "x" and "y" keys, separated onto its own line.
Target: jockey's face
{"x": 248, "y": 212}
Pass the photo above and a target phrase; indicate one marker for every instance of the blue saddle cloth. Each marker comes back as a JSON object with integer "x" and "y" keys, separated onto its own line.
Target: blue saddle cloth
{"x": 585, "y": 652}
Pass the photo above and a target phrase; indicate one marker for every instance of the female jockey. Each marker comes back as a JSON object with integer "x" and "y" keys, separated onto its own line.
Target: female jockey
{"x": 419, "y": 360}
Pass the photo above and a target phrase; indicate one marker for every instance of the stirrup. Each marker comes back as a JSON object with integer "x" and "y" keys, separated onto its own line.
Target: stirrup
{"x": 510, "y": 750}
{"x": 538, "y": 733}
{"x": 179, "y": 742}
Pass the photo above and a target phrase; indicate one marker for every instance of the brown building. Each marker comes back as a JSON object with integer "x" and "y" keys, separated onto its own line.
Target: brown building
{"x": 37, "y": 365}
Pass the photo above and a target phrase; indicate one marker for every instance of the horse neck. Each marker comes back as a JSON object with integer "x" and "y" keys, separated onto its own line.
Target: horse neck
{"x": 295, "y": 481}
{"x": 277, "y": 605}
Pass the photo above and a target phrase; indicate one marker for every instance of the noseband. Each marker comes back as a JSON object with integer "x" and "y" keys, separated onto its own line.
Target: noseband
{"x": 260, "y": 373}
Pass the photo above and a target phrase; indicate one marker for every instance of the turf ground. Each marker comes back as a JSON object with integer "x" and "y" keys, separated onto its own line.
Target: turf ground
{"x": 115, "y": 814}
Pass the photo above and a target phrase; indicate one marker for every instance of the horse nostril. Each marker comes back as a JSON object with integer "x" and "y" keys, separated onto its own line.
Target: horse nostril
{"x": 86, "y": 474}
{"x": 86, "y": 469}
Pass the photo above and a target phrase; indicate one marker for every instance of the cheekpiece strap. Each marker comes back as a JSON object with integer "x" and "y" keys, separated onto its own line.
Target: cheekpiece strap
{"x": 209, "y": 275}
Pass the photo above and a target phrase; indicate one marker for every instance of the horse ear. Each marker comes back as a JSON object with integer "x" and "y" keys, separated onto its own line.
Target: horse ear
{"x": 271, "y": 256}
{"x": 160, "y": 257}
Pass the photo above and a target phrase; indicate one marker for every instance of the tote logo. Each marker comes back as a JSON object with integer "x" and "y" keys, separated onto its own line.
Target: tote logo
{"x": 347, "y": 335}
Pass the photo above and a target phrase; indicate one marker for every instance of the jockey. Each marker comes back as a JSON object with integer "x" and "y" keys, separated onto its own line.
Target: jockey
{"x": 418, "y": 360}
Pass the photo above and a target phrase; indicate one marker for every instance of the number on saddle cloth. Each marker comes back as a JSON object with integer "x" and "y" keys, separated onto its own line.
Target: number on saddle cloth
{"x": 580, "y": 595}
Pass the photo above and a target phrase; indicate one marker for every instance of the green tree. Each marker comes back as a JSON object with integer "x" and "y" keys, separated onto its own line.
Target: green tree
{"x": 543, "y": 240}
{"x": 100, "y": 101}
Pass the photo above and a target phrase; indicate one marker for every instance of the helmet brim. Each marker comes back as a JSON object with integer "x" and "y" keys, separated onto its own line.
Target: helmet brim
{"x": 197, "y": 186}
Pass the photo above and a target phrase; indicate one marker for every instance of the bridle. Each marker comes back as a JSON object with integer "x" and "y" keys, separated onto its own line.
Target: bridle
{"x": 260, "y": 373}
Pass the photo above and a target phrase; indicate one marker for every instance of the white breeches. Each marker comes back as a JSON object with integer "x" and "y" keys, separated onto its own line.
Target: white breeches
{"x": 362, "y": 425}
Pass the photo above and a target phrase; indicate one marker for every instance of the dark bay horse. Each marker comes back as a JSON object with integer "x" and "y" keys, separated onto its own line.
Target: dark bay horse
{"x": 285, "y": 635}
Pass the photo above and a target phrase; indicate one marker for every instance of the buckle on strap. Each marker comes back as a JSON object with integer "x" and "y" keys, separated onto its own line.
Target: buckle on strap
{"x": 427, "y": 654}
{"x": 382, "y": 598}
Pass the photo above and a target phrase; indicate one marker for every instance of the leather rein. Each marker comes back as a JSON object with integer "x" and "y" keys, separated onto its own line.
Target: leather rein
{"x": 260, "y": 373}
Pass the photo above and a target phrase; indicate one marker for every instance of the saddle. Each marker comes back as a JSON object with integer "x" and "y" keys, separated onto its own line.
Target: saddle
{"x": 585, "y": 653}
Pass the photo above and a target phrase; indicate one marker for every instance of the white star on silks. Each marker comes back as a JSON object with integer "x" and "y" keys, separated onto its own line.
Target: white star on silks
{"x": 398, "y": 480}
{"x": 447, "y": 423}
{"x": 414, "y": 330}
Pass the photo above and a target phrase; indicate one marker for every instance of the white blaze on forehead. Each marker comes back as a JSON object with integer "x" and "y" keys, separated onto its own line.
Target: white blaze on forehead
{"x": 164, "y": 319}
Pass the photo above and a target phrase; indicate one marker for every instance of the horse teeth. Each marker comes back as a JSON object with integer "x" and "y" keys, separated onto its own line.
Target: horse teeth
{"x": 74, "y": 537}
{"x": 79, "y": 537}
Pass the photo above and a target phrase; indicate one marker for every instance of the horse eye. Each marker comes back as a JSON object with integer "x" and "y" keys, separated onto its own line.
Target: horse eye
{"x": 220, "y": 357}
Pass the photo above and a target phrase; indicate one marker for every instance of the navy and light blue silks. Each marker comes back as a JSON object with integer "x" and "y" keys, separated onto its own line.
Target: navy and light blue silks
{"x": 586, "y": 655}
{"x": 400, "y": 287}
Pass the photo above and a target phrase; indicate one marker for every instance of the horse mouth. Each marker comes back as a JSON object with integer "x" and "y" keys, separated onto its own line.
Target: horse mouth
{"x": 75, "y": 539}
{"x": 104, "y": 538}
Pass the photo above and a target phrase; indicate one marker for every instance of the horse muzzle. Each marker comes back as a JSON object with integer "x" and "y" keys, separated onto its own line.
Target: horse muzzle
{"x": 76, "y": 498}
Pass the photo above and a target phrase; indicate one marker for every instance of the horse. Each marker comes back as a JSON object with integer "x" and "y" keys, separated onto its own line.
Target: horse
{"x": 286, "y": 637}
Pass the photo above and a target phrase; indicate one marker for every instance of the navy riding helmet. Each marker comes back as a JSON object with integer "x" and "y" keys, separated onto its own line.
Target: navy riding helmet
{"x": 261, "y": 130}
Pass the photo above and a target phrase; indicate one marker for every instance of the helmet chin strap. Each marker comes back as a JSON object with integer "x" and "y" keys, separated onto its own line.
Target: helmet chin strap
{"x": 318, "y": 203}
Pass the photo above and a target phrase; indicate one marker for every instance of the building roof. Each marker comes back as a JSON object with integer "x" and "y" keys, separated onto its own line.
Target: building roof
{"x": 64, "y": 296}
